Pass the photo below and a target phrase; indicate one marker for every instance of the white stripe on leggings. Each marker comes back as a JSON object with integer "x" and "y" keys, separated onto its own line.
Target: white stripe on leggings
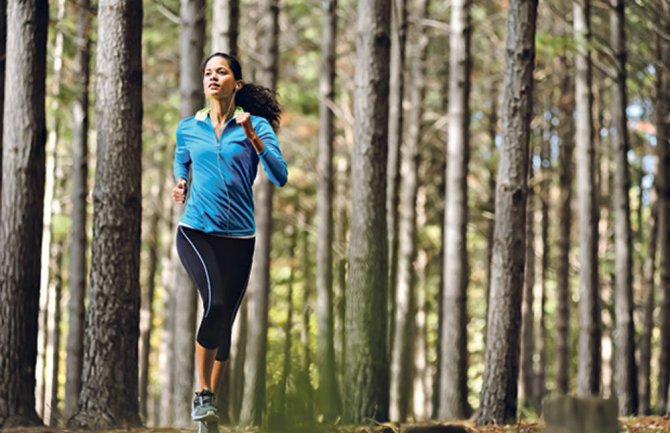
{"x": 209, "y": 285}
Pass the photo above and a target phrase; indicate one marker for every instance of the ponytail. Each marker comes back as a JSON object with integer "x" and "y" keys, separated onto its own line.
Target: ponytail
{"x": 259, "y": 101}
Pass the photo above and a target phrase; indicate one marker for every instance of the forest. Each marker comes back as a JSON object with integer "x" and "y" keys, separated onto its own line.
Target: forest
{"x": 476, "y": 221}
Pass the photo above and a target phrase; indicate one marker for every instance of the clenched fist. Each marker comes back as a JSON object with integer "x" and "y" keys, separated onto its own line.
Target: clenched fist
{"x": 179, "y": 192}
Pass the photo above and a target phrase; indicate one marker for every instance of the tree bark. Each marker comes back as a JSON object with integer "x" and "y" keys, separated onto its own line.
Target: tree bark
{"x": 3, "y": 57}
{"x": 527, "y": 373}
{"x": 542, "y": 337}
{"x": 191, "y": 46}
{"x": 566, "y": 151}
{"x": 589, "y": 363}
{"x": 663, "y": 192}
{"x": 286, "y": 368}
{"x": 395, "y": 137}
{"x": 453, "y": 341}
{"x": 307, "y": 289}
{"x": 52, "y": 364}
{"x": 644, "y": 373}
{"x": 402, "y": 350}
{"x": 490, "y": 205}
{"x": 341, "y": 196}
{"x": 109, "y": 378}
{"x": 225, "y": 26}
{"x": 626, "y": 372}
{"x": 420, "y": 406}
{"x": 23, "y": 172}
{"x": 440, "y": 161}
{"x": 253, "y": 400}
{"x": 78, "y": 246}
{"x": 148, "y": 290}
{"x": 329, "y": 396}
{"x": 42, "y": 370}
{"x": 236, "y": 363}
{"x": 498, "y": 400}
{"x": 366, "y": 368}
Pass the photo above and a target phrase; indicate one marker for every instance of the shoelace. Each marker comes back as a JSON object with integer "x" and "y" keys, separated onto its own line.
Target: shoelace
{"x": 203, "y": 396}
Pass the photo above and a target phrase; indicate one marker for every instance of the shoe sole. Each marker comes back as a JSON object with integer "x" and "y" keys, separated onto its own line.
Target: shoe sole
{"x": 210, "y": 416}
{"x": 208, "y": 427}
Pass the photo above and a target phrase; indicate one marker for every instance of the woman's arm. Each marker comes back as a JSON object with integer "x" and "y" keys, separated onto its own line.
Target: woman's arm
{"x": 182, "y": 158}
{"x": 264, "y": 140}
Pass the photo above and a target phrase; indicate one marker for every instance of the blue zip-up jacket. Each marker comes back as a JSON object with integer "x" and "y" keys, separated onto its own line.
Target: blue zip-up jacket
{"x": 222, "y": 173}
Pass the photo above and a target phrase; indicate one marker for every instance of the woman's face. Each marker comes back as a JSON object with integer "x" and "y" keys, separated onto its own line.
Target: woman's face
{"x": 218, "y": 79}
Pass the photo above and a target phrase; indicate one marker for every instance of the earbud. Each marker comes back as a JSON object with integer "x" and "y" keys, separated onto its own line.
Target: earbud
{"x": 238, "y": 87}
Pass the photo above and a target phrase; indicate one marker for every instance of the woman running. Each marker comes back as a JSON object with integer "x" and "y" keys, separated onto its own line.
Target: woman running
{"x": 215, "y": 164}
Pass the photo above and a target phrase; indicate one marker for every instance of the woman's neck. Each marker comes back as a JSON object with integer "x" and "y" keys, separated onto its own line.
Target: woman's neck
{"x": 220, "y": 110}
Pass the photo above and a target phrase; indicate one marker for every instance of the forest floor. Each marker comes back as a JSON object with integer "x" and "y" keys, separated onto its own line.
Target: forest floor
{"x": 649, "y": 424}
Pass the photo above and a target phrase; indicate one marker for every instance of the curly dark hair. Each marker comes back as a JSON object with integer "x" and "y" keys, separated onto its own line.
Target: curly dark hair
{"x": 255, "y": 99}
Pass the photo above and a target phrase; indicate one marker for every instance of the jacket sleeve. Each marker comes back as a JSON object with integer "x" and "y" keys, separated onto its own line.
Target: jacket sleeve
{"x": 182, "y": 157}
{"x": 271, "y": 158}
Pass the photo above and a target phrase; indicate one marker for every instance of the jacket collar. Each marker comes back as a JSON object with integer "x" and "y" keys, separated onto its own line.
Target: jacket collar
{"x": 202, "y": 114}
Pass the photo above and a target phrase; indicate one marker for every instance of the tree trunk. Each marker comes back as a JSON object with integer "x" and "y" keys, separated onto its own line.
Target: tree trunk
{"x": 566, "y": 151}
{"x": 453, "y": 342}
{"x": 109, "y": 378}
{"x": 42, "y": 370}
{"x": 490, "y": 205}
{"x": 604, "y": 203}
{"x": 440, "y": 161}
{"x": 253, "y": 400}
{"x": 191, "y": 46}
{"x": 527, "y": 373}
{"x": 366, "y": 367}
{"x": 236, "y": 363}
{"x": 341, "y": 228}
{"x": 626, "y": 373}
{"x": 663, "y": 192}
{"x": 286, "y": 369}
{"x": 402, "y": 350}
{"x": 225, "y": 26}
{"x": 589, "y": 365}
{"x": 165, "y": 415}
{"x": 329, "y": 397}
{"x": 78, "y": 246}
{"x": 3, "y": 57}
{"x": 420, "y": 406}
{"x": 306, "y": 313}
{"x": 395, "y": 137}
{"x": 51, "y": 411}
{"x": 148, "y": 290}
{"x": 542, "y": 337}
{"x": 498, "y": 400}
{"x": 23, "y": 171}
{"x": 644, "y": 373}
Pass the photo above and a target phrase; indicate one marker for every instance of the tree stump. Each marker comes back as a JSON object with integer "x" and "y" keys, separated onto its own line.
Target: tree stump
{"x": 567, "y": 414}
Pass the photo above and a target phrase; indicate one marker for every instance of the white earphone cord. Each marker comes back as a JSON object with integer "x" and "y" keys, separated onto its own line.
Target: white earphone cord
{"x": 219, "y": 158}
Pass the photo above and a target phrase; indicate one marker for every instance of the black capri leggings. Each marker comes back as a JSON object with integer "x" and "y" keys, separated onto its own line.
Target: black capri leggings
{"x": 219, "y": 267}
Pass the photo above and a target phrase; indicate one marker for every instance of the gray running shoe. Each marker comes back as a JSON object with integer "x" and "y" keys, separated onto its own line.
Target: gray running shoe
{"x": 204, "y": 407}
{"x": 208, "y": 427}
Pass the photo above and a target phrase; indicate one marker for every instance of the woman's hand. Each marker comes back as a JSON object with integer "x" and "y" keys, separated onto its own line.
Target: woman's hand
{"x": 244, "y": 120}
{"x": 179, "y": 192}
